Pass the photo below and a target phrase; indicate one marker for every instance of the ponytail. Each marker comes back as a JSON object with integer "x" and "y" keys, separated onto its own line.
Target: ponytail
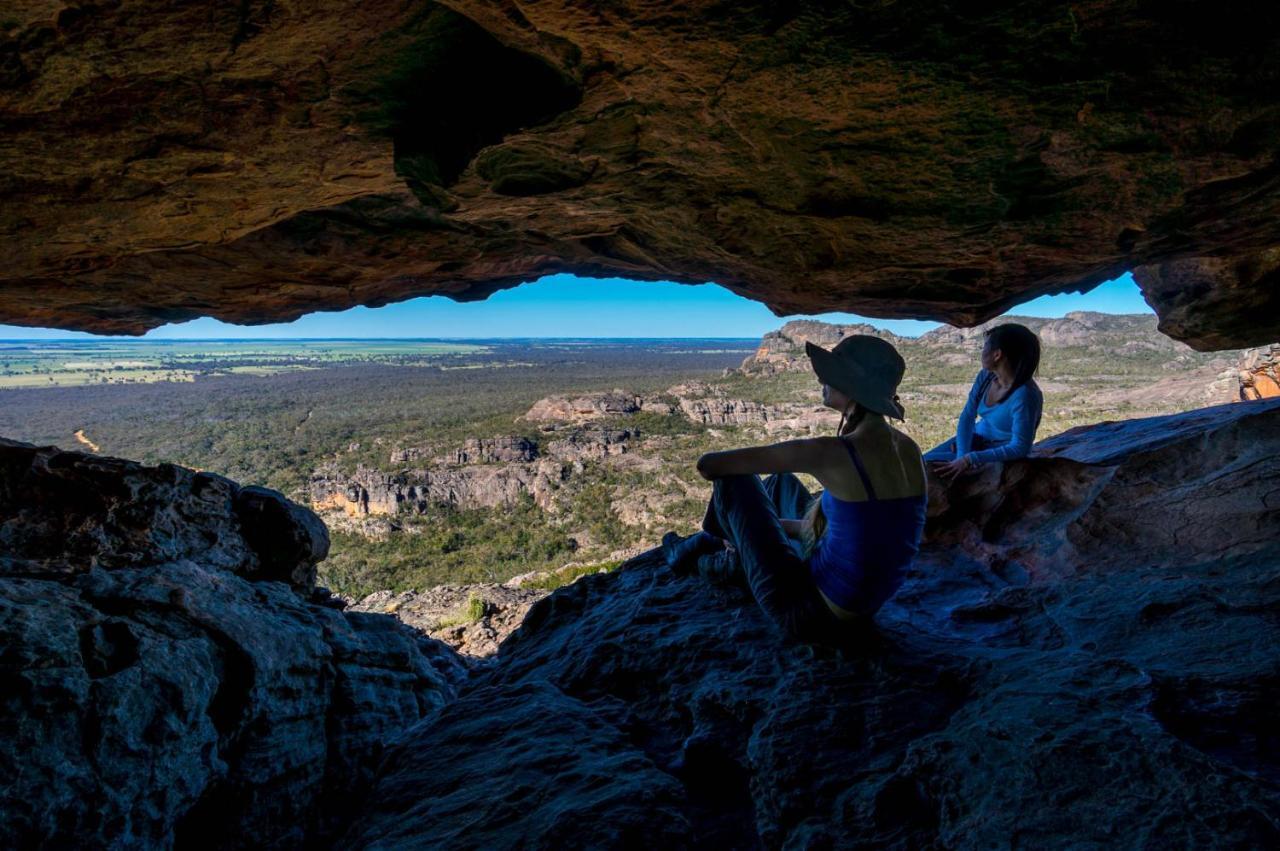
{"x": 849, "y": 422}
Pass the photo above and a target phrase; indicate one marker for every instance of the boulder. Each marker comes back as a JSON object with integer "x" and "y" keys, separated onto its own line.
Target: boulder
{"x": 169, "y": 674}
{"x": 288, "y": 539}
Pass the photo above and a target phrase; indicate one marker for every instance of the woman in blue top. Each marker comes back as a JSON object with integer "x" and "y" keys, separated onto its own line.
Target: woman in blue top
{"x": 1006, "y": 399}
{"x": 818, "y": 567}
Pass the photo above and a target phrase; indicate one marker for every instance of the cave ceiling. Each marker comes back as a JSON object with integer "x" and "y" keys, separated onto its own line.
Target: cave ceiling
{"x": 259, "y": 160}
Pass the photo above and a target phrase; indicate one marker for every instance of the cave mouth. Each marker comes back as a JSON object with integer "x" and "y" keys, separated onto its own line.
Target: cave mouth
{"x": 443, "y": 88}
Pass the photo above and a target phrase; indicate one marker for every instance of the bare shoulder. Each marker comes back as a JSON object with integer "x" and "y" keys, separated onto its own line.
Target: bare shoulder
{"x": 903, "y": 442}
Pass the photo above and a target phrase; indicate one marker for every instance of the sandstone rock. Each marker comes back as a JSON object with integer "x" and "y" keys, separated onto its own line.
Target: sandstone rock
{"x": 592, "y": 443}
{"x": 444, "y": 613}
{"x": 409, "y": 455}
{"x": 373, "y": 492}
{"x": 489, "y": 450}
{"x": 170, "y": 677}
{"x": 581, "y": 408}
{"x": 1258, "y": 373}
{"x": 68, "y": 512}
{"x": 715, "y": 411}
{"x": 1216, "y": 302}
{"x": 260, "y": 162}
{"x": 289, "y": 539}
{"x": 784, "y": 350}
{"x": 1084, "y": 652}
{"x": 1077, "y": 328}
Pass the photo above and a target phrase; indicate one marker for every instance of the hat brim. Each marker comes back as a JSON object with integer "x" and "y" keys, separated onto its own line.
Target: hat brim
{"x": 850, "y": 379}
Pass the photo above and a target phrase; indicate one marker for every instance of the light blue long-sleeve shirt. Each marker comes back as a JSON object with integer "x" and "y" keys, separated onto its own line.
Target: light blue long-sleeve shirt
{"x": 1011, "y": 422}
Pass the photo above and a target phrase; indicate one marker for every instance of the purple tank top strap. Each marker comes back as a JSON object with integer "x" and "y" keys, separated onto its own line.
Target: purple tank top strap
{"x": 862, "y": 471}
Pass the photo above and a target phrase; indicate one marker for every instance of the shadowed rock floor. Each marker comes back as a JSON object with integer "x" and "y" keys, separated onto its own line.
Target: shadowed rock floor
{"x": 1085, "y": 655}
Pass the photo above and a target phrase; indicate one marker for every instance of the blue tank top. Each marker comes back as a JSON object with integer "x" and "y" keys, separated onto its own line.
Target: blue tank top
{"x": 863, "y": 555}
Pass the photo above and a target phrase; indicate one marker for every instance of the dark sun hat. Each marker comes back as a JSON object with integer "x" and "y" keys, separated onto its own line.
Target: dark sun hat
{"x": 864, "y": 368}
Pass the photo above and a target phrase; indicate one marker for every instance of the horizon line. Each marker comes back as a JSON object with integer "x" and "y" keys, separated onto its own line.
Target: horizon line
{"x": 162, "y": 340}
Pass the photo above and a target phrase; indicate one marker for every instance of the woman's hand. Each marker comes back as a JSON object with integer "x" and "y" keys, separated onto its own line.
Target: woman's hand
{"x": 951, "y": 469}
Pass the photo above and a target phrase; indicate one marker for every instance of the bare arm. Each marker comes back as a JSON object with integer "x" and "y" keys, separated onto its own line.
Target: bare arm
{"x": 792, "y": 456}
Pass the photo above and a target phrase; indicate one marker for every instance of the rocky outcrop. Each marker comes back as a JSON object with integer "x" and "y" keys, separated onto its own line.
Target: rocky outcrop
{"x": 592, "y": 444}
{"x": 370, "y": 492}
{"x": 491, "y": 450}
{"x": 720, "y": 411}
{"x": 472, "y": 619}
{"x": 1259, "y": 373}
{"x": 263, "y": 161}
{"x": 474, "y": 450}
{"x": 170, "y": 674}
{"x": 590, "y": 406}
{"x": 700, "y": 403}
{"x": 1217, "y": 302}
{"x": 482, "y": 473}
{"x": 784, "y": 350}
{"x": 1084, "y": 652}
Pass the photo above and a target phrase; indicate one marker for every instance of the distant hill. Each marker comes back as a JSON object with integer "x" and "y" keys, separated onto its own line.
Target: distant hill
{"x": 1079, "y": 328}
{"x": 783, "y": 350}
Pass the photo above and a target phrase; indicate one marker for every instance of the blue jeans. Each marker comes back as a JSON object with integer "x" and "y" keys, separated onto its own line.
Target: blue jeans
{"x": 746, "y": 512}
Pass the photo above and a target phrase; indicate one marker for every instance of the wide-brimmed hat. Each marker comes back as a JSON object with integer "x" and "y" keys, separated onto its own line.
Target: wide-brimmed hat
{"x": 864, "y": 368}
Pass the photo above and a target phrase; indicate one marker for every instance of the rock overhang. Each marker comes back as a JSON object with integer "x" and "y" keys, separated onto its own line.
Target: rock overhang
{"x": 163, "y": 163}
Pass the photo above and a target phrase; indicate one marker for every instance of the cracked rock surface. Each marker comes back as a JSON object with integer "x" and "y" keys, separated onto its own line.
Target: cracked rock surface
{"x": 168, "y": 675}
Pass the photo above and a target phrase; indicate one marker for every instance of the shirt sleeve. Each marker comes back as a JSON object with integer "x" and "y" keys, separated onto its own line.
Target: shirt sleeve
{"x": 1025, "y": 414}
{"x": 964, "y": 426}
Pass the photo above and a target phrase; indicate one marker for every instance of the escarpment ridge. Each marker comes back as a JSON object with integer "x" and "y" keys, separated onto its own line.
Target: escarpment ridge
{"x": 163, "y": 162}
{"x": 1091, "y": 627}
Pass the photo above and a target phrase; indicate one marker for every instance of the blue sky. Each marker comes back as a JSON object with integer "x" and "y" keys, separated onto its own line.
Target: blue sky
{"x": 566, "y": 306}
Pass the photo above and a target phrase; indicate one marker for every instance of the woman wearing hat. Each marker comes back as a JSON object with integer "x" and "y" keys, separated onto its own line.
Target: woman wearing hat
{"x": 817, "y": 565}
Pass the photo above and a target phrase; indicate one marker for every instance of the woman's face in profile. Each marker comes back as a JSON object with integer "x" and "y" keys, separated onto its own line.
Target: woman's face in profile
{"x": 833, "y": 398}
{"x": 990, "y": 354}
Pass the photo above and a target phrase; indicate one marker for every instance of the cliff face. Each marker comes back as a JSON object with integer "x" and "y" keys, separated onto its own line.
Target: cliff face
{"x": 165, "y": 161}
{"x": 170, "y": 673}
{"x": 1085, "y": 648}
{"x": 1259, "y": 373}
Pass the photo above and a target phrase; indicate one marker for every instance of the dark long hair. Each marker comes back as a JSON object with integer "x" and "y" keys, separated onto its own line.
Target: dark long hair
{"x": 1021, "y": 347}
